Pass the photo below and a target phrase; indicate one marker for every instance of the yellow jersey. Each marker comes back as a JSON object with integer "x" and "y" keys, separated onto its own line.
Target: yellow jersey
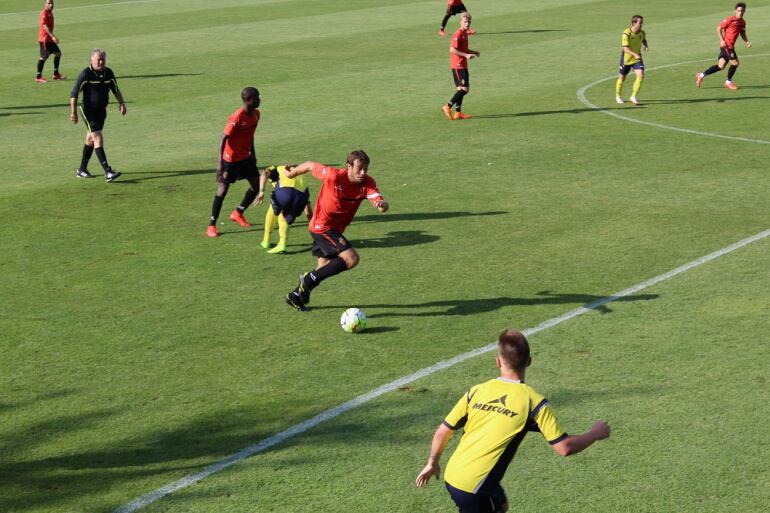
{"x": 279, "y": 179}
{"x": 495, "y": 416}
{"x": 634, "y": 42}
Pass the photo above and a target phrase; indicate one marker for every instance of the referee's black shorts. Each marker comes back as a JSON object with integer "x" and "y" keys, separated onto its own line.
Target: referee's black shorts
{"x": 95, "y": 119}
{"x": 481, "y": 502}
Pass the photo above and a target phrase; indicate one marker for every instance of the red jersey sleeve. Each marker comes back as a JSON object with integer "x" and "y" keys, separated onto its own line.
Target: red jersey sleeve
{"x": 371, "y": 191}
{"x": 725, "y": 23}
{"x": 323, "y": 172}
{"x": 232, "y": 122}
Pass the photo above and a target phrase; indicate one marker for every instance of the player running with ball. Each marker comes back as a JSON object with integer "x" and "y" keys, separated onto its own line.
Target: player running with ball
{"x": 342, "y": 191}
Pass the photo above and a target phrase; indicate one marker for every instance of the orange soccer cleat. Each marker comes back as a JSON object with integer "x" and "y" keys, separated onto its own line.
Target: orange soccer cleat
{"x": 40, "y": 80}
{"x": 238, "y": 218}
{"x": 441, "y": 32}
{"x": 212, "y": 232}
{"x": 447, "y": 112}
{"x": 460, "y": 115}
{"x": 58, "y": 76}
{"x": 698, "y": 80}
{"x": 731, "y": 86}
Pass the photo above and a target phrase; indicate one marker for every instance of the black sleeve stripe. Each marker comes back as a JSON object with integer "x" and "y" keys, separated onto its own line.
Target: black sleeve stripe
{"x": 559, "y": 439}
{"x": 450, "y": 426}
{"x": 538, "y": 408}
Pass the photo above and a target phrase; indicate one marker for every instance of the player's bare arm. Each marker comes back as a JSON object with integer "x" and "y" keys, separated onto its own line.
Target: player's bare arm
{"x": 222, "y": 142}
{"x": 432, "y": 468}
{"x": 122, "y": 103}
{"x": 299, "y": 169}
{"x": 48, "y": 30}
{"x": 631, "y": 53}
{"x": 74, "y": 110}
{"x": 721, "y": 34}
{"x": 746, "y": 39}
{"x": 574, "y": 444}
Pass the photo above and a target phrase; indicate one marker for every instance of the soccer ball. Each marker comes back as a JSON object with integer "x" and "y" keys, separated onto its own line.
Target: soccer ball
{"x": 353, "y": 320}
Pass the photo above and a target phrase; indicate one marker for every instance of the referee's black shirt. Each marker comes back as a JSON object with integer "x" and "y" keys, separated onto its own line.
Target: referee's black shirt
{"x": 96, "y": 87}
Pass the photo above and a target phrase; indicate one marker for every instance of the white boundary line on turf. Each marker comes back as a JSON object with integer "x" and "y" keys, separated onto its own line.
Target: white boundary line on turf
{"x": 331, "y": 413}
{"x": 582, "y": 97}
{"x": 83, "y": 7}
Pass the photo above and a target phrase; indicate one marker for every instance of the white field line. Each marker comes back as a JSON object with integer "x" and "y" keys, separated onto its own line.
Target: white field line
{"x": 582, "y": 97}
{"x": 57, "y": 9}
{"x": 329, "y": 414}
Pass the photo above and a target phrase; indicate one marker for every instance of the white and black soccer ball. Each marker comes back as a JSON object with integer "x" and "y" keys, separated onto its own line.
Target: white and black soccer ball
{"x": 353, "y": 320}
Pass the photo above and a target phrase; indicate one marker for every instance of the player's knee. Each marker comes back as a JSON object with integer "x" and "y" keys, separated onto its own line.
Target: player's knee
{"x": 351, "y": 258}
{"x": 464, "y": 89}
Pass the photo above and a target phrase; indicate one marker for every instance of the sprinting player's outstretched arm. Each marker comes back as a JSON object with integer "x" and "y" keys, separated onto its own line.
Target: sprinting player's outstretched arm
{"x": 574, "y": 444}
{"x": 432, "y": 468}
{"x": 299, "y": 169}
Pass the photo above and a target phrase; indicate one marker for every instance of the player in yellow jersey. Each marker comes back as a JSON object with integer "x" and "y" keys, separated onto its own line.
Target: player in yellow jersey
{"x": 288, "y": 199}
{"x": 495, "y": 416}
{"x": 632, "y": 41}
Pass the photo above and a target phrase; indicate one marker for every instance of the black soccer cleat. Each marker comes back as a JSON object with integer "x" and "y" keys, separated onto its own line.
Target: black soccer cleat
{"x": 294, "y": 300}
{"x": 304, "y": 292}
{"x": 83, "y": 173}
{"x": 111, "y": 175}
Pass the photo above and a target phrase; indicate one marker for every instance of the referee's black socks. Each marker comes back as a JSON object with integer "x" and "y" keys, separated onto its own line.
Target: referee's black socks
{"x": 87, "y": 152}
{"x": 102, "y": 159}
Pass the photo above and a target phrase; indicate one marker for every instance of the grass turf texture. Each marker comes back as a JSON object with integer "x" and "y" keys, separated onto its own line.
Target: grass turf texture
{"x": 135, "y": 350}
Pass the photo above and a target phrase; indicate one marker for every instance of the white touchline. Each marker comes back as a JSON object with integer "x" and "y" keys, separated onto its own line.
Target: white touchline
{"x": 582, "y": 97}
{"x": 83, "y": 7}
{"x": 329, "y": 414}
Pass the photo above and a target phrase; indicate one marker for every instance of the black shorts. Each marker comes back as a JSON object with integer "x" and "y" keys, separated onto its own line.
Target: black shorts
{"x": 727, "y": 54}
{"x": 456, "y": 9}
{"x": 461, "y": 77}
{"x": 289, "y": 201}
{"x": 234, "y": 171}
{"x": 95, "y": 119}
{"x": 329, "y": 244}
{"x": 480, "y": 502}
{"x": 48, "y": 48}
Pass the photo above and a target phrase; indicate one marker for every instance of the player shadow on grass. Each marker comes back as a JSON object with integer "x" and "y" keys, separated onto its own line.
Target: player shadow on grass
{"x": 130, "y": 178}
{"x": 391, "y": 240}
{"x": 44, "y": 106}
{"x": 4, "y": 114}
{"x": 88, "y": 471}
{"x": 531, "y": 31}
{"x": 424, "y": 216}
{"x": 160, "y": 75}
{"x": 477, "y": 306}
{"x": 549, "y": 112}
{"x": 705, "y": 100}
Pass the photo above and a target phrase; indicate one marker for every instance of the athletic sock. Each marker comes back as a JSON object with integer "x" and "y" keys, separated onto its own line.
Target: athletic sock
{"x": 269, "y": 225}
{"x": 459, "y": 102}
{"x": 454, "y": 99}
{"x": 314, "y": 278}
{"x": 102, "y": 159}
{"x": 712, "y": 69}
{"x": 216, "y": 208}
{"x": 283, "y": 230}
{"x": 248, "y": 197}
{"x": 87, "y": 152}
{"x": 637, "y": 86}
{"x": 730, "y": 72}
{"x": 56, "y": 61}
{"x": 444, "y": 21}
{"x": 40, "y": 64}
{"x": 619, "y": 86}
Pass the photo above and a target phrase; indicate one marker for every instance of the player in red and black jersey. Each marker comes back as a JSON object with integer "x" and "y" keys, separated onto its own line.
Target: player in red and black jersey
{"x": 48, "y": 43}
{"x": 237, "y": 160}
{"x": 342, "y": 191}
{"x": 728, "y": 32}
{"x": 453, "y": 7}
{"x": 459, "y": 53}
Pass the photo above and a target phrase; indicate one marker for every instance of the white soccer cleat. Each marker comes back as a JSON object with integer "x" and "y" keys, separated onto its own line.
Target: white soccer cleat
{"x": 619, "y": 100}
{"x": 634, "y": 100}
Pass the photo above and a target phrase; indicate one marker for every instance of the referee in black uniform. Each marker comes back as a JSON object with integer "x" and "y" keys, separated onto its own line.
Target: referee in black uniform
{"x": 95, "y": 82}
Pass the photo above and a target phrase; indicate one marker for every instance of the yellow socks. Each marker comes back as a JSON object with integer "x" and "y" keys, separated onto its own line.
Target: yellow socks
{"x": 269, "y": 225}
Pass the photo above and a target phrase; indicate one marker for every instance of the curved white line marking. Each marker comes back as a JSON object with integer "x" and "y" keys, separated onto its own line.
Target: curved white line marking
{"x": 331, "y": 413}
{"x": 582, "y": 97}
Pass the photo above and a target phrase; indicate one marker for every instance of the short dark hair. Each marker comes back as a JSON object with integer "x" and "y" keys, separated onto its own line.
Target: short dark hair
{"x": 358, "y": 155}
{"x": 741, "y": 4}
{"x": 513, "y": 349}
{"x": 249, "y": 92}
{"x": 635, "y": 18}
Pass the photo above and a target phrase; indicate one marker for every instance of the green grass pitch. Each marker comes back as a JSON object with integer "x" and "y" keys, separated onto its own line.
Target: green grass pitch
{"x": 135, "y": 351}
